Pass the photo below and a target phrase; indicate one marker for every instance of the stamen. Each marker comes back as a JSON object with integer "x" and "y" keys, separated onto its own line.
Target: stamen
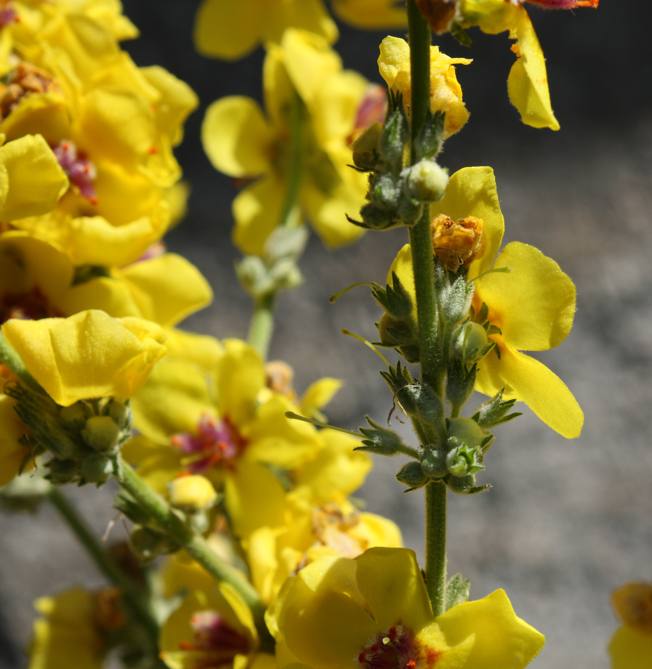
{"x": 80, "y": 170}
{"x": 217, "y": 443}
{"x": 397, "y": 649}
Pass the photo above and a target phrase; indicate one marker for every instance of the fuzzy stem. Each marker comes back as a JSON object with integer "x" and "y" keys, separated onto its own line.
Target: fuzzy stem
{"x": 427, "y": 311}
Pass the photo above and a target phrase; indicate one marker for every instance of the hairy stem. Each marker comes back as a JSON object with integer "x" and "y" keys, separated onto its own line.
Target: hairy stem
{"x": 427, "y": 311}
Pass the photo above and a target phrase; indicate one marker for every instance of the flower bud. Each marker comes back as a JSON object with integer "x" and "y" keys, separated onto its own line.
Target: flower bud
{"x": 426, "y": 181}
{"x": 74, "y": 416}
{"x": 365, "y": 148}
{"x": 96, "y": 468}
{"x": 471, "y": 343}
{"x": 120, "y": 412}
{"x": 433, "y": 463}
{"x": 193, "y": 492}
{"x": 412, "y": 475}
{"x": 457, "y": 243}
{"x": 101, "y": 433}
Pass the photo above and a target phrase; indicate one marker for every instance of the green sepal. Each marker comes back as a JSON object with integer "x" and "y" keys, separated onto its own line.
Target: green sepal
{"x": 495, "y": 411}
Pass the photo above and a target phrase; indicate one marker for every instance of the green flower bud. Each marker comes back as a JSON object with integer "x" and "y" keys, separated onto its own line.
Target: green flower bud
{"x": 426, "y": 181}
{"x": 464, "y": 460}
{"x": 120, "y": 412}
{"x": 96, "y": 468}
{"x": 101, "y": 433}
{"x": 365, "y": 148}
{"x": 433, "y": 463}
{"x": 471, "y": 342}
{"x": 412, "y": 475}
{"x": 149, "y": 544}
{"x": 467, "y": 432}
{"x": 74, "y": 416}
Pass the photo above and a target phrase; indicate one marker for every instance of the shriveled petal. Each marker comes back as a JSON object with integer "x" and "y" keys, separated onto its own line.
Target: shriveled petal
{"x": 372, "y": 14}
{"x": 257, "y": 210}
{"x": 236, "y": 137}
{"x": 391, "y": 584}
{"x": 172, "y": 276}
{"x": 630, "y": 649}
{"x": 240, "y": 377}
{"x": 530, "y": 381}
{"x": 88, "y": 355}
{"x": 31, "y": 180}
{"x": 502, "y": 639}
{"x": 533, "y": 304}
{"x": 227, "y": 29}
{"x": 472, "y": 191}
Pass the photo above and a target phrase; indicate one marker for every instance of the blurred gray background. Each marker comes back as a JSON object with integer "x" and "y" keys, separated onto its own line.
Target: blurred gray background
{"x": 566, "y": 521}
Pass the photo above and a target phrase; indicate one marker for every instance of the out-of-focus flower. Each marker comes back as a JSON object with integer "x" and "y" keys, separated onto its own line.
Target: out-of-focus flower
{"x": 230, "y": 29}
{"x": 631, "y": 645}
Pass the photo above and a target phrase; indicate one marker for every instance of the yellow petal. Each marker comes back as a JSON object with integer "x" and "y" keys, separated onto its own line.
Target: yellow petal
{"x": 327, "y": 210}
{"x": 630, "y": 649}
{"x": 104, "y": 293}
{"x": 533, "y": 304}
{"x": 502, "y": 639}
{"x": 472, "y": 191}
{"x": 530, "y": 381}
{"x": 307, "y": 15}
{"x": 372, "y": 14}
{"x": 236, "y": 137}
{"x": 391, "y": 583}
{"x": 243, "y": 490}
{"x": 527, "y": 83}
{"x": 318, "y": 395}
{"x": 227, "y": 29}
{"x": 88, "y": 355}
{"x": 31, "y": 180}
{"x": 309, "y": 62}
{"x": 257, "y": 210}
{"x": 156, "y": 464}
{"x": 171, "y": 275}
{"x": 240, "y": 377}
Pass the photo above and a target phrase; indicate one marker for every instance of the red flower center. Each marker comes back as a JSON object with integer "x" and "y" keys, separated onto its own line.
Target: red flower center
{"x": 397, "y": 649}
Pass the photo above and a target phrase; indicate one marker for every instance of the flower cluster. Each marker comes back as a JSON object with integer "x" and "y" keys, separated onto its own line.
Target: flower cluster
{"x": 247, "y": 548}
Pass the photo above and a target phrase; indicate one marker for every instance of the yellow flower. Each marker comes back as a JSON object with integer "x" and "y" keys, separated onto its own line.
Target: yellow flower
{"x": 31, "y": 180}
{"x": 373, "y": 611}
{"x": 631, "y": 644}
{"x": 533, "y": 304}
{"x": 372, "y": 14}
{"x": 212, "y": 627}
{"x": 230, "y": 29}
{"x": 527, "y": 83}
{"x": 309, "y": 533}
{"x": 88, "y": 355}
{"x": 67, "y": 635}
{"x": 445, "y": 90}
{"x": 243, "y": 142}
{"x": 37, "y": 280}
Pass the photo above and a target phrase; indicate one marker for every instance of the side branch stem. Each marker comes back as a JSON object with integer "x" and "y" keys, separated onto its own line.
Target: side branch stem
{"x": 427, "y": 310}
{"x": 167, "y": 521}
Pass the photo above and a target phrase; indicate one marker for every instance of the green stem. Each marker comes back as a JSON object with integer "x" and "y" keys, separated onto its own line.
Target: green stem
{"x": 133, "y": 598}
{"x": 261, "y": 328}
{"x": 167, "y": 521}
{"x": 427, "y": 311}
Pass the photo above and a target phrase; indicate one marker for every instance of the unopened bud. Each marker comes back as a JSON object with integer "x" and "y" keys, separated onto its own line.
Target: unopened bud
{"x": 101, "y": 433}
{"x": 433, "y": 464}
{"x": 472, "y": 342}
{"x": 427, "y": 181}
{"x": 74, "y": 416}
{"x": 96, "y": 468}
{"x": 457, "y": 243}
{"x": 120, "y": 412}
{"x": 193, "y": 492}
{"x": 412, "y": 475}
{"x": 365, "y": 148}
